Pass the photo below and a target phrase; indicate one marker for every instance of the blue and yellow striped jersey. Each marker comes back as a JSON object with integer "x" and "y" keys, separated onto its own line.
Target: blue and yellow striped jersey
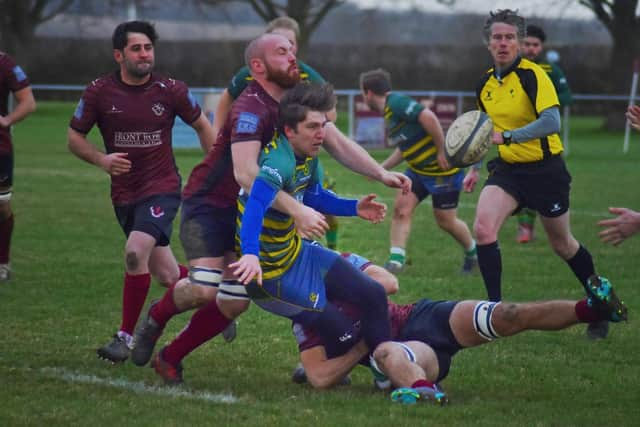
{"x": 282, "y": 170}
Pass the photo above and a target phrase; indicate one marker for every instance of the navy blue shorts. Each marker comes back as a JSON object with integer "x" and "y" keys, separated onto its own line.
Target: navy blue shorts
{"x": 6, "y": 172}
{"x": 429, "y": 323}
{"x": 543, "y": 186}
{"x": 153, "y": 216}
{"x": 444, "y": 190}
{"x": 206, "y": 231}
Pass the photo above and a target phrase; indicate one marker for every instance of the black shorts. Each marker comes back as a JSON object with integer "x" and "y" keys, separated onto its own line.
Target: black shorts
{"x": 543, "y": 186}
{"x": 6, "y": 172}
{"x": 206, "y": 231}
{"x": 153, "y": 216}
{"x": 428, "y": 322}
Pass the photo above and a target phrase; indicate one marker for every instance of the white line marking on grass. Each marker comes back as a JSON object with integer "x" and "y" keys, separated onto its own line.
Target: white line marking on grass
{"x": 139, "y": 387}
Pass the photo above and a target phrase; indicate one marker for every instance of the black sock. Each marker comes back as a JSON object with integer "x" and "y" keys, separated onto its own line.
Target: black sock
{"x": 582, "y": 265}
{"x": 490, "y": 263}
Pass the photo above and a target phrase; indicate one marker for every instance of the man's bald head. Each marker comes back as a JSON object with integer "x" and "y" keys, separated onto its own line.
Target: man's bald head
{"x": 257, "y": 48}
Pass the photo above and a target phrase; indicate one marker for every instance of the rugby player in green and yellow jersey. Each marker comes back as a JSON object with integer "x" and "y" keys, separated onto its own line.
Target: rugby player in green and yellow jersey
{"x": 418, "y": 138}
{"x": 284, "y": 274}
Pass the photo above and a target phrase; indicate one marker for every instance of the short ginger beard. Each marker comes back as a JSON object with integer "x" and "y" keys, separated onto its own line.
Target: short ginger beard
{"x": 283, "y": 79}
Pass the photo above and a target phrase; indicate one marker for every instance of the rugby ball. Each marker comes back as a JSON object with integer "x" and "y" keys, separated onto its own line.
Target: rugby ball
{"x": 468, "y": 138}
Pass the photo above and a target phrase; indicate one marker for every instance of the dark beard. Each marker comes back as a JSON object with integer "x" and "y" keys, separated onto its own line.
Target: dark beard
{"x": 282, "y": 78}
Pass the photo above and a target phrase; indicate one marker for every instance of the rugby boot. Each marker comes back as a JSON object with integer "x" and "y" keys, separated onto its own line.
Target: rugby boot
{"x": 115, "y": 351}
{"x": 525, "y": 233}
{"x": 144, "y": 338}
{"x": 469, "y": 265}
{"x": 5, "y": 272}
{"x": 601, "y": 294}
{"x": 394, "y": 267}
{"x": 230, "y": 332}
{"x": 410, "y": 396}
{"x": 172, "y": 375}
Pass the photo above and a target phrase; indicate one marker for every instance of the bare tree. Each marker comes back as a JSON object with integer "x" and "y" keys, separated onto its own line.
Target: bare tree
{"x": 308, "y": 13}
{"x": 622, "y": 22}
{"x": 19, "y": 19}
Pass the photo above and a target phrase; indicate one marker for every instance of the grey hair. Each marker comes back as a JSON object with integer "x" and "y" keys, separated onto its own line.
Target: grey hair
{"x": 506, "y": 16}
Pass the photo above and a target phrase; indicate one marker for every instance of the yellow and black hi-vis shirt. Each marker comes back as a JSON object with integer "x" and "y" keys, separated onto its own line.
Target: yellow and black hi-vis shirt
{"x": 516, "y": 99}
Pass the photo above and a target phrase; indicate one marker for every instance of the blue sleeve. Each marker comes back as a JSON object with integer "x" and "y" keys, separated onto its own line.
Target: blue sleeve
{"x": 327, "y": 202}
{"x": 261, "y": 198}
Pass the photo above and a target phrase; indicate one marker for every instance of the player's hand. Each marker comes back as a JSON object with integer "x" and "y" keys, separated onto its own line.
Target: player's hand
{"x": 626, "y": 224}
{"x": 4, "y": 122}
{"x": 371, "y": 210}
{"x": 310, "y": 224}
{"x": 496, "y": 138}
{"x": 116, "y": 163}
{"x": 470, "y": 180}
{"x": 442, "y": 161}
{"x": 633, "y": 115}
{"x": 246, "y": 268}
{"x": 396, "y": 180}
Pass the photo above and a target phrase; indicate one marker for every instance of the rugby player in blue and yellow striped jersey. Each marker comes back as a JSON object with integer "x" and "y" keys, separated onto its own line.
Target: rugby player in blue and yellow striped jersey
{"x": 284, "y": 274}
{"x": 419, "y": 140}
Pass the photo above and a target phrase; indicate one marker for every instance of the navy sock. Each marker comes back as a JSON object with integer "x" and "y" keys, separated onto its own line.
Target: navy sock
{"x": 490, "y": 263}
{"x": 582, "y": 265}
{"x": 345, "y": 282}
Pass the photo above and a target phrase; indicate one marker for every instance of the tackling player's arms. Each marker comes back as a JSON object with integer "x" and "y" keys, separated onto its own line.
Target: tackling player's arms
{"x": 322, "y": 372}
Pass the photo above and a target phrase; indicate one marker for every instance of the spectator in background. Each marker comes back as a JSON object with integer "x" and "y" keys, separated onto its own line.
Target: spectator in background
{"x": 12, "y": 80}
{"x": 533, "y": 49}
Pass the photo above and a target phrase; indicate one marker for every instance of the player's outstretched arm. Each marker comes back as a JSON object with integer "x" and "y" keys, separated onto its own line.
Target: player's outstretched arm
{"x": 356, "y": 158}
{"x": 323, "y": 373}
{"x": 393, "y": 160}
{"x": 371, "y": 210}
{"x": 114, "y": 164}
{"x": 205, "y": 132}
{"x": 26, "y": 104}
{"x": 617, "y": 230}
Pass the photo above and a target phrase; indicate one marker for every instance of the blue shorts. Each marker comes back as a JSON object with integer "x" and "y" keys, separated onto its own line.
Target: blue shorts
{"x": 359, "y": 262}
{"x": 153, "y": 216}
{"x": 444, "y": 190}
{"x": 428, "y": 322}
{"x": 207, "y": 231}
{"x": 299, "y": 289}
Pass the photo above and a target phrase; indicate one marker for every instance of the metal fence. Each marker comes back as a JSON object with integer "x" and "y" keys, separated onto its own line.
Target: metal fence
{"x": 184, "y": 136}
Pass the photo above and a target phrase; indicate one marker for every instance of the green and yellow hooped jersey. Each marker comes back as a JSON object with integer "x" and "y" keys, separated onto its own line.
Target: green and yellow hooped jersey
{"x": 407, "y": 134}
{"x": 243, "y": 77}
{"x": 279, "y": 242}
{"x": 516, "y": 99}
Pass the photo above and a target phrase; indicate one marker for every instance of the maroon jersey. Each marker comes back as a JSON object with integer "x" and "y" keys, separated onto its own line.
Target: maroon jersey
{"x": 12, "y": 79}
{"x": 137, "y": 120}
{"x": 253, "y": 117}
{"x": 307, "y": 338}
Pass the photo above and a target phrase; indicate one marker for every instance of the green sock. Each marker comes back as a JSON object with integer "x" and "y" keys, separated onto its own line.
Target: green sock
{"x": 398, "y": 255}
{"x": 332, "y": 239}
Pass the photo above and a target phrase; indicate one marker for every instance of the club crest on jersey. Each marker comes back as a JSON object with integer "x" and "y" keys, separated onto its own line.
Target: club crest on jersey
{"x": 156, "y": 211}
{"x": 157, "y": 109}
{"x": 247, "y": 123}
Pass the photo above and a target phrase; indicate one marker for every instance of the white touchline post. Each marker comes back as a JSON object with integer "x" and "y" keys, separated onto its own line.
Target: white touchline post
{"x": 632, "y": 100}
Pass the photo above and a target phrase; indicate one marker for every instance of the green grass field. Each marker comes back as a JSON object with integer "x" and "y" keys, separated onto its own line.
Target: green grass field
{"x": 64, "y": 301}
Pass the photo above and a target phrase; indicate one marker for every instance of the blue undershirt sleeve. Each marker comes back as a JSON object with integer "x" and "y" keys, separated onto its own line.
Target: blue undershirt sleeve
{"x": 261, "y": 198}
{"x": 547, "y": 124}
{"x": 327, "y": 202}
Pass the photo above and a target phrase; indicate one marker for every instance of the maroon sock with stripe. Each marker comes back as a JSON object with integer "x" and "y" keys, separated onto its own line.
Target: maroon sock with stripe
{"x": 205, "y": 324}
{"x": 166, "y": 308}
{"x": 136, "y": 288}
{"x": 586, "y": 314}
{"x": 6, "y": 229}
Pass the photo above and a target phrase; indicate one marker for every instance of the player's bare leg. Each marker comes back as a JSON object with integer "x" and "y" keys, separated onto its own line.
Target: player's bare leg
{"x": 6, "y": 230}
{"x": 403, "y": 209}
{"x": 447, "y": 220}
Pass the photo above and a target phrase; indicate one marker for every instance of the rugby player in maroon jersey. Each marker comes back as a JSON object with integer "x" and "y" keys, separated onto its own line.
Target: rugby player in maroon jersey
{"x": 12, "y": 80}
{"x": 135, "y": 109}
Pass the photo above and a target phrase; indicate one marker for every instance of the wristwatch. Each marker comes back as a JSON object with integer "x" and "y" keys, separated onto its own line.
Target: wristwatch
{"x": 506, "y": 137}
